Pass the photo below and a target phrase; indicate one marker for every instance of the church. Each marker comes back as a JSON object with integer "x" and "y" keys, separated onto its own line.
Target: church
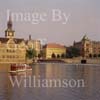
{"x": 13, "y": 50}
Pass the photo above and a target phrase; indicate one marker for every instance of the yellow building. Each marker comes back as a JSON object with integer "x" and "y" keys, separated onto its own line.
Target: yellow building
{"x": 12, "y": 49}
{"x": 54, "y": 49}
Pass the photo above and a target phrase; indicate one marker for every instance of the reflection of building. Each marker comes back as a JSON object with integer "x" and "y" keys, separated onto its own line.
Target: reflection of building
{"x": 11, "y": 49}
{"x": 50, "y": 49}
{"x": 88, "y": 48}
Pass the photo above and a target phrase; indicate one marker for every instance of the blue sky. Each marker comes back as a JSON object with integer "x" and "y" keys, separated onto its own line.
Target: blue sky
{"x": 84, "y": 19}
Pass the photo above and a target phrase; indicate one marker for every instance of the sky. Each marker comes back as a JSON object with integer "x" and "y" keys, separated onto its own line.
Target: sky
{"x": 82, "y": 17}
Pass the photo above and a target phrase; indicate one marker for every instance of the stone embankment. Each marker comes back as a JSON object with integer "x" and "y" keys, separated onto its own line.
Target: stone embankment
{"x": 78, "y": 60}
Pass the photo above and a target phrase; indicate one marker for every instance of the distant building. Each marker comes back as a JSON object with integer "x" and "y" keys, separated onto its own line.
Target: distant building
{"x": 34, "y": 44}
{"x": 11, "y": 49}
{"x": 53, "y": 49}
{"x": 95, "y": 49}
{"x": 87, "y": 47}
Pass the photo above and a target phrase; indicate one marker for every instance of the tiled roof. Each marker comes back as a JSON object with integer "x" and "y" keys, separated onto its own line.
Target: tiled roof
{"x": 3, "y": 40}
{"x": 17, "y": 40}
{"x": 53, "y": 45}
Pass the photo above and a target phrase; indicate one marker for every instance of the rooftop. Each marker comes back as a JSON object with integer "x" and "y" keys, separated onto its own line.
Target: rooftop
{"x": 53, "y": 45}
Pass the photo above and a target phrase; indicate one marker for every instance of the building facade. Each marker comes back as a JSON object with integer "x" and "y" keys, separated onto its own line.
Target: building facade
{"x": 53, "y": 49}
{"x": 87, "y": 47}
{"x": 34, "y": 44}
{"x": 11, "y": 49}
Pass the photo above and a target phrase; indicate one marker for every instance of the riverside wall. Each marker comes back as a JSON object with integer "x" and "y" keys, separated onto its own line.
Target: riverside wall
{"x": 78, "y": 60}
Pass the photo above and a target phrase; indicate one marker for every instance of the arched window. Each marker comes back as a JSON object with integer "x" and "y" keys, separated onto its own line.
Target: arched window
{"x": 53, "y": 55}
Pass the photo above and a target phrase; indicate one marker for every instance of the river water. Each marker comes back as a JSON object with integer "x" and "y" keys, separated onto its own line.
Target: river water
{"x": 88, "y": 89}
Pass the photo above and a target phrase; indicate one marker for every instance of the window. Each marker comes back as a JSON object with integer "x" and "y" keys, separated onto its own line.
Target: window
{"x": 3, "y": 56}
{"x": 7, "y": 50}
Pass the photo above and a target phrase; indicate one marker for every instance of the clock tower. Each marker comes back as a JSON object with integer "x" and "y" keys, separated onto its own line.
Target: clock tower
{"x": 9, "y": 32}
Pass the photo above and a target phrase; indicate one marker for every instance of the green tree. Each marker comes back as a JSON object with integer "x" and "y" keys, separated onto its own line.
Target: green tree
{"x": 30, "y": 53}
{"x": 62, "y": 55}
{"x": 73, "y": 52}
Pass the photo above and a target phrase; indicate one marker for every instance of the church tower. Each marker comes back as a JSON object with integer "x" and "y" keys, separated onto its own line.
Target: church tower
{"x": 9, "y": 32}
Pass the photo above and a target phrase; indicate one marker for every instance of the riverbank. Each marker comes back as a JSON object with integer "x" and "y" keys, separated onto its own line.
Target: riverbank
{"x": 68, "y": 61}
{"x": 78, "y": 61}
{"x": 51, "y": 61}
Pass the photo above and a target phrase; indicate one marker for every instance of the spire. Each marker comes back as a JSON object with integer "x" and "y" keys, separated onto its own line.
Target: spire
{"x": 29, "y": 37}
{"x": 9, "y": 32}
{"x": 9, "y": 24}
{"x": 74, "y": 42}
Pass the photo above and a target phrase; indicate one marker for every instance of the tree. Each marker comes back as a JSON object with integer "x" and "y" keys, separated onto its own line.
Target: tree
{"x": 62, "y": 55}
{"x": 73, "y": 52}
{"x": 42, "y": 53}
{"x": 30, "y": 53}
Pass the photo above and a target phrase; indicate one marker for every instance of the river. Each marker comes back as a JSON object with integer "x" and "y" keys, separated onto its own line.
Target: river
{"x": 68, "y": 82}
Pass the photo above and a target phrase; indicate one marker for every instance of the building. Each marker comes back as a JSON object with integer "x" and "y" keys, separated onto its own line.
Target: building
{"x": 34, "y": 44}
{"x": 95, "y": 49}
{"x": 11, "y": 49}
{"x": 53, "y": 49}
{"x": 88, "y": 48}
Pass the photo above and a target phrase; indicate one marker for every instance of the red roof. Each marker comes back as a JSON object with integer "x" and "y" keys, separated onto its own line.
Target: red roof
{"x": 53, "y": 45}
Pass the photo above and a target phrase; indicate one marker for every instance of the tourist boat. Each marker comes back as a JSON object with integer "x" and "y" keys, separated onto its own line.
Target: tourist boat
{"x": 20, "y": 68}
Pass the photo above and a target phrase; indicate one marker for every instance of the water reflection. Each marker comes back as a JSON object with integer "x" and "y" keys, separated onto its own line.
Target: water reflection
{"x": 90, "y": 74}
